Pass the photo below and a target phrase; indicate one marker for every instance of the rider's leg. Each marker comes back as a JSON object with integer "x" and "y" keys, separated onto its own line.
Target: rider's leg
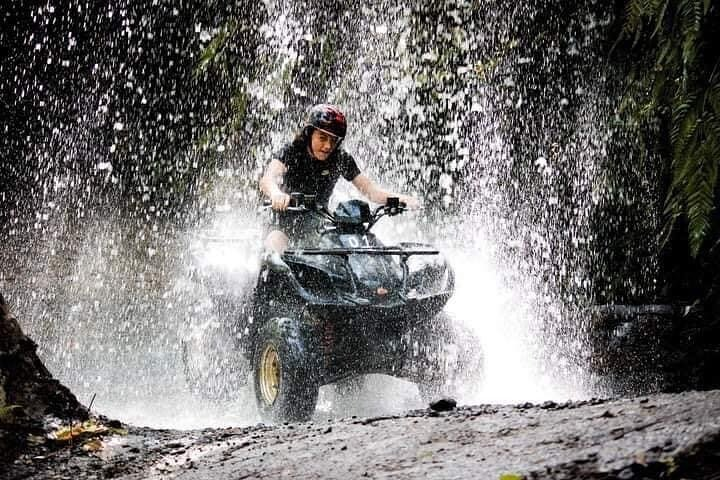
{"x": 275, "y": 244}
{"x": 276, "y": 241}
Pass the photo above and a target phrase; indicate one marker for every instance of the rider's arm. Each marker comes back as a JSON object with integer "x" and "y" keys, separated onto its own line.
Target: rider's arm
{"x": 376, "y": 194}
{"x": 270, "y": 185}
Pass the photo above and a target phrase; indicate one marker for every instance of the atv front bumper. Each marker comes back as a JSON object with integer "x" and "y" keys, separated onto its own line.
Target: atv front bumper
{"x": 370, "y": 339}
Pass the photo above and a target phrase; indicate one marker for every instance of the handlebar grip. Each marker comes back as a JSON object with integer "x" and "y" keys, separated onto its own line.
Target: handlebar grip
{"x": 302, "y": 208}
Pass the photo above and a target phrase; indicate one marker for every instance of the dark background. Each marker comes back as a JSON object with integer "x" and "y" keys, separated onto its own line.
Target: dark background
{"x": 134, "y": 65}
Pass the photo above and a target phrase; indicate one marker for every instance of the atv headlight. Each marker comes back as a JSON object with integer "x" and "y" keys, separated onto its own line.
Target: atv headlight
{"x": 376, "y": 271}
{"x": 428, "y": 275}
{"x": 322, "y": 282}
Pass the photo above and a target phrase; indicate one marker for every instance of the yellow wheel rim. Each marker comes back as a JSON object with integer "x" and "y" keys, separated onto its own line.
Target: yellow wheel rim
{"x": 269, "y": 374}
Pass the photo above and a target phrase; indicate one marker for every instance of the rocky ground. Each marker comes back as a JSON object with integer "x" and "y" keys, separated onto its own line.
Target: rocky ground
{"x": 663, "y": 436}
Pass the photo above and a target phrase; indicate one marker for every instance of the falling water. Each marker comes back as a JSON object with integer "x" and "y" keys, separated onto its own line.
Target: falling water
{"x": 520, "y": 132}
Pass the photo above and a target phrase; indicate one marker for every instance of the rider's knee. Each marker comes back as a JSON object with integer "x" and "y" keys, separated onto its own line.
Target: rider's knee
{"x": 276, "y": 240}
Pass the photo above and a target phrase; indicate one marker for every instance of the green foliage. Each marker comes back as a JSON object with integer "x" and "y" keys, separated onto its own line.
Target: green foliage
{"x": 678, "y": 83}
{"x": 215, "y": 55}
{"x": 486, "y": 68}
{"x": 511, "y": 476}
{"x": 11, "y": 414}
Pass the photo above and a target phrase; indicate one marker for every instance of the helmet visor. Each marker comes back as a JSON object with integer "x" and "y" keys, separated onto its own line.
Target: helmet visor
{"x": 335, "y": 138}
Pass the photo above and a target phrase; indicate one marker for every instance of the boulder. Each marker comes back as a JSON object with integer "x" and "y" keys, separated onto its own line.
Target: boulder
{"x": 28, "y": 392}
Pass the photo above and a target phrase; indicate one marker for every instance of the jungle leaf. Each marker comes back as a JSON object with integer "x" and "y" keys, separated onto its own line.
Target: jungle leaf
{"x": 675, "y": 86}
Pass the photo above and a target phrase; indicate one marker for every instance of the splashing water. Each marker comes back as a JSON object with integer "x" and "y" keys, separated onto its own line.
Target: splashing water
{"x": 106, "y": 296}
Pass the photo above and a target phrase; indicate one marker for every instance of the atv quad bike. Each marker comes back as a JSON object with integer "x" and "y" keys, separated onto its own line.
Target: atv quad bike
{"x": 346, "y": 306}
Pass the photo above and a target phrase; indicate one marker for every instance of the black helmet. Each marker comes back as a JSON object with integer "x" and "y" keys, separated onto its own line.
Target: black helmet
{"x": 327, "y": 118}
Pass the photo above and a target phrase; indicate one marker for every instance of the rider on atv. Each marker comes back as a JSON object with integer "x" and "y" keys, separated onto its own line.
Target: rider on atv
{"x": 332, "y": 301}
{"x": 312, "y": 163}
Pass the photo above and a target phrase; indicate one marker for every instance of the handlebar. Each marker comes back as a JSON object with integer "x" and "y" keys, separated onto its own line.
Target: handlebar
{"x": 393, "y": 206}
{"x": 299, "y": 202}
{"x": 300, "y": 209}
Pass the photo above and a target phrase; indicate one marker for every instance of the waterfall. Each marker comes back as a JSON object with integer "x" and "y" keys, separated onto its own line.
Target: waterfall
{"x": 498, "y": 116}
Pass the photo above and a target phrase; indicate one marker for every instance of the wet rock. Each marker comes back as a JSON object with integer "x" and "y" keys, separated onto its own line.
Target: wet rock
{"x": 374, "y": 420}
{"x": 28, "y": 392}
{"x": 12, "y": 415}
{"x": 26, "y": 381}
{"x": 669, "y": 445}
{"x": 114, "y": 424}
{"x": 626, "y": 474}
{"x": 579, "y": 443}
{"x": 647, "y": 348}
{"x": 443, "y": 405}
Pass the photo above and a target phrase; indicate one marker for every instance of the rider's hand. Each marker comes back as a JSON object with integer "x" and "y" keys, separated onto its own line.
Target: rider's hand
{"x": 410, "y": 202}
{"x": 280, "y": 201}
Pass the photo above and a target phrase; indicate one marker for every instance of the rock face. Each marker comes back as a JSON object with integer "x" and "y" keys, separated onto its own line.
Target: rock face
{"x": 28, "y": 393}
{"x": 668, "y": 436}
{"x": 650, "y": 348}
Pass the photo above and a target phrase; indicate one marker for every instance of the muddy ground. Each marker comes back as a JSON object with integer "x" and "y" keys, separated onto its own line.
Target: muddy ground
{"x": 662, "y": 436}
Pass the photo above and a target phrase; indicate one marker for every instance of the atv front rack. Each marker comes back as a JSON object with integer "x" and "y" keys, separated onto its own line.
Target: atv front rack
{"x": 351, "y": 296}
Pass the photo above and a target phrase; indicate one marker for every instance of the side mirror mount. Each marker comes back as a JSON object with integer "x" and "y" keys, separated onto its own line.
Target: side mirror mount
{"x": 393, "y": 206}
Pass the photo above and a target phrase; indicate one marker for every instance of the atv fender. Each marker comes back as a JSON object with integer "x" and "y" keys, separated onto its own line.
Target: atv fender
{"x": 286, "y": 370}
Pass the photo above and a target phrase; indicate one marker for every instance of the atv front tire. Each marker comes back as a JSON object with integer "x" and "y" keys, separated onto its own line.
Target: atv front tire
{"x": 285, "y": 372}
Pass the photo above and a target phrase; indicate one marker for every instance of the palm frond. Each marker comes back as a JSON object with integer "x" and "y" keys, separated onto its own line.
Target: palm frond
{"x": 700, "y": 200}
{"x": 213, "y": 54}
{"x": 660, "y": 17}
{"x": 674, "y": 86}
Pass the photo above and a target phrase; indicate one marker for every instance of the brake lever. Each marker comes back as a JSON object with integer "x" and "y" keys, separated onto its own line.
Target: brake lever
{"x": 301, "y": 208}
{"x": 395, "y": 210}
{"x": 298, "y": 203}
